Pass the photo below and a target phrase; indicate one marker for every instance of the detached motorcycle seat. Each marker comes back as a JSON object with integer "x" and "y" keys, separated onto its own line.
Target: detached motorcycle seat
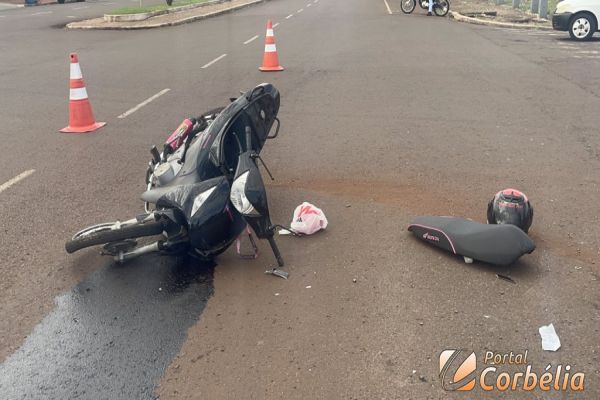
{"x": 494, "y": 244}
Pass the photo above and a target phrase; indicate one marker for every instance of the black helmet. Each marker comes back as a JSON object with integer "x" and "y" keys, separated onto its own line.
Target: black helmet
{"x": 510, "y": 206}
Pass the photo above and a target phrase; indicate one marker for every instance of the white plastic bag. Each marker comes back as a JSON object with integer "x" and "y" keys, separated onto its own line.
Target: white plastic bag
{"x": 308, "y": 219}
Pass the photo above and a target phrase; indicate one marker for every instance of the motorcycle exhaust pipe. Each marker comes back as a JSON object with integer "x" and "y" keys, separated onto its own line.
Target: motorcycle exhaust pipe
{"x": 150, "y": 248}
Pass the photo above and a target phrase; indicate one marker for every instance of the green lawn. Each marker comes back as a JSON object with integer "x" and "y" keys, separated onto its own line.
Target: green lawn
{"x": 159, "y": 7}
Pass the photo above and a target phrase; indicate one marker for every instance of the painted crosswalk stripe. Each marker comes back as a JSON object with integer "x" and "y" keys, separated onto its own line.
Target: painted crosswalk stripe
{"x": 16, "y": 179}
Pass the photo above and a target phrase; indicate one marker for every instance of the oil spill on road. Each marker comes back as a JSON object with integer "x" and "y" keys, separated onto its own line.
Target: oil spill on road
{"x": 113, "y": 335}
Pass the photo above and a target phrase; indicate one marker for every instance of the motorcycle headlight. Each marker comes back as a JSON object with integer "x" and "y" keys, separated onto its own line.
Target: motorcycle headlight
{"x": 200, "y": 199}
{"x": 238, "y": 195}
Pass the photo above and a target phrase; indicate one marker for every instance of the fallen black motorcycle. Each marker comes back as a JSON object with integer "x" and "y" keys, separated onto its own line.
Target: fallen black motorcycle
{"x": 203, "y": 189}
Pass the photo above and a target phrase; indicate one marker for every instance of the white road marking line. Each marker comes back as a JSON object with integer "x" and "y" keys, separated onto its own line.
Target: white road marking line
{"x": 587, "y": 52}
{"x": 309, "y": 4}
{"x": 80, "y": 8}
{"x": 16, "y": 179}
{"x": 289, "y": 16}
{"x": 276, "y": 25}
{"x": 71, "y": 16}
{"x": 300, "y": 10}
{"x": 388, "y": 7}
{"x": 143, "y": 103}
{"x": 214, "y": 61}
{"x": 251, "y": 39}
{"x": 42, "y": 12}
{"x": 316, "y": 1}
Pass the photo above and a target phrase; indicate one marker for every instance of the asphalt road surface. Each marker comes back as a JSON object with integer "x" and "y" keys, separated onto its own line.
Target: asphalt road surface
{"x": 384, "y": 118}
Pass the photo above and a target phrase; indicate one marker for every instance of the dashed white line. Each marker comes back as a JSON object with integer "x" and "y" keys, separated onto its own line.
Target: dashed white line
{"x": 80, "y": 8}
{"x": 214, "y": 61}
{"x": 388, "y": 7}
{"x": 300, "y": 10}
{"x": 587, "y": 52}
{"x": 309, "y": 4}
{"x": 251, "y": 39}
{"x": 276, "y": 25}
{"x": 42, "y": 13}
{"x": 289, "y": 16}
{"x": 143, "y": 103}
{"x": 71, "y": 16}
{"x": 316, "y": 1}
{"x": 16, "y": 179}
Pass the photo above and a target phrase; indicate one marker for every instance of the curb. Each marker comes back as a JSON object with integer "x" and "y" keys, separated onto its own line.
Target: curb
{"x": 144, "y": 16}
{"x": 478, "y": 21}
{"x": 163, "y": 24}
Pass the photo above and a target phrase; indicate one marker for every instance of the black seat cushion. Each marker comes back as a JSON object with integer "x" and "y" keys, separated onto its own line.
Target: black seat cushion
{"x": 495, "y": 244}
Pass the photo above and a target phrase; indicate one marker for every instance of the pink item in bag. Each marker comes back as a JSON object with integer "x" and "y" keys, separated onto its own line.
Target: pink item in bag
{"x": 308, "y": 219}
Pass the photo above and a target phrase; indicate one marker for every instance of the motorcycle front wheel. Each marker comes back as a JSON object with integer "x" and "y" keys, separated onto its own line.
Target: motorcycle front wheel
{"x": 103, "y": 236}
{"x": 408, "y": 6}
{"x": 424, "y": 4}
{"x": 441, "y": 8}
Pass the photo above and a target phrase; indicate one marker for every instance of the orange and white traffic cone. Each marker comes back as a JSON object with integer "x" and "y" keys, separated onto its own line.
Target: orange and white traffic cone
{"x": 81, "y": 117}
{"x": 270, "y": 59}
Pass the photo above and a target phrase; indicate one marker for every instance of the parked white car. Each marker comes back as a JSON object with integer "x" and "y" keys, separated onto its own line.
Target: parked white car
{"x": 579, "y": 17}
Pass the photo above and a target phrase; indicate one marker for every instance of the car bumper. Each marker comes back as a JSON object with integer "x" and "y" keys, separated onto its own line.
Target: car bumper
{"x": 560, "y": 22}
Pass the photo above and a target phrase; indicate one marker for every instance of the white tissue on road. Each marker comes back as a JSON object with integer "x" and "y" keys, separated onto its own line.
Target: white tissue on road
{"x": 550, "y": 340}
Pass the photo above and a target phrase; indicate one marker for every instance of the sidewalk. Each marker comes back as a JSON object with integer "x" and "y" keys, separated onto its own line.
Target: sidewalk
{"x": 484, "y": 12}
{"x": 175, "y": 18}
{"x": 8, "y": 4}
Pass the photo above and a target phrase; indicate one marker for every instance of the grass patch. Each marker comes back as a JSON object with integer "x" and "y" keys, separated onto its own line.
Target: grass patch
{"x": 158, "y": 7}
{"x": 526, "y": 6}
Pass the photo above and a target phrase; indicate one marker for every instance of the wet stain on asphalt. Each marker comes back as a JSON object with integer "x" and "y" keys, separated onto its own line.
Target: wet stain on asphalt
{"x": 113, "y": 335}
